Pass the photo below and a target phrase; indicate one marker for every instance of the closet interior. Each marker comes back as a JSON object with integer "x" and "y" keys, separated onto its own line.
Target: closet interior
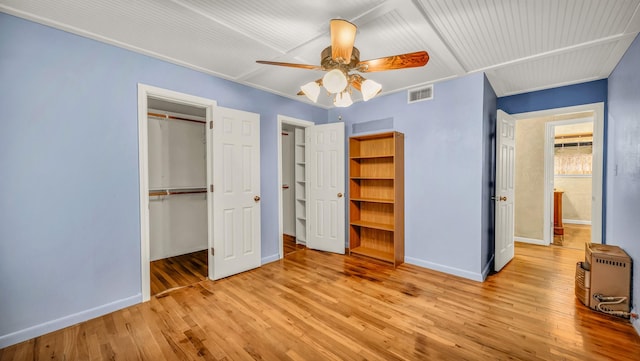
{"x": 294, "y": 188}
{"x": 177, "y": 194}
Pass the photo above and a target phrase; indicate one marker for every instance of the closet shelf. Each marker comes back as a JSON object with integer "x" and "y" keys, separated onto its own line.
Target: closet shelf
{"x": 174, "y": 191}
{"x": 372, "y": 178}
{"x": 371, "y": 156}
{"x": 372, "y": 200}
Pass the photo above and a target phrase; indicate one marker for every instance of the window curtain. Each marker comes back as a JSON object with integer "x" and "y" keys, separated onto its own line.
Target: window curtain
{"x": 574, "y": 160}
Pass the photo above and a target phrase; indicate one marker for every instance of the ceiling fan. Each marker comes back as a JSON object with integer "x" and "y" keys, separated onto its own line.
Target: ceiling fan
{"x": 341, "y": 61}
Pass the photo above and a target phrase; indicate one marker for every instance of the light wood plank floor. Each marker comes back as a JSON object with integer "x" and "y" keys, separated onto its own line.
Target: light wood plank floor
{"x": 320, "y": 306}
{"x": 576, "y": 235}
{"x": 178, "y": 271}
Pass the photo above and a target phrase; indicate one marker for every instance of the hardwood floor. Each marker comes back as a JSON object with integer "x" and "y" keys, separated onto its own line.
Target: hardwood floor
{"x": 289, "y": 244}
{"x": 178, "y": 271}
{"x": 576, "y": 235}
{"x": 321, "y": 306}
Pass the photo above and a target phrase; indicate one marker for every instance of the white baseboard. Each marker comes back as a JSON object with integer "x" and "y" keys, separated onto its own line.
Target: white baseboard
{"x": 66, "y": 321}
{"x": 445, "y": 269}
{"x": 270, "y": 259}
{"x": 539, "y": 242}
{"x": 576, "y": 221}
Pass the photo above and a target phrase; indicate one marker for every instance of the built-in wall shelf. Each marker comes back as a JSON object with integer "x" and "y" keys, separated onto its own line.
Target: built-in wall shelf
{"x": 376, "y": 191}
{"x": 301, "y": 190}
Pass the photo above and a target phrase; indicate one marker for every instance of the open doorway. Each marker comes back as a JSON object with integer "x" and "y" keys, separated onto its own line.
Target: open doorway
{"x": 177, "y": 194}
{"x": 293, "y": 189}
{"x": 534, "y": 165}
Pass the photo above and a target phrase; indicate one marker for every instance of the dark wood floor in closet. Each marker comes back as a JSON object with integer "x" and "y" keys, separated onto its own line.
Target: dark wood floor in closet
{"x": 289, "y": 244}
{"x": 178, "y": 271}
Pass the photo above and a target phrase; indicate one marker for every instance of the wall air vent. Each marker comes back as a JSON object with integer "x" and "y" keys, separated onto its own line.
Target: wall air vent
{"x": 420, "y": 94}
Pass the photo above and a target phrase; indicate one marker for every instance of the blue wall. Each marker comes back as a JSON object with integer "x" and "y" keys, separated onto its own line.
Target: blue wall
{"x": 623, "y": 170}
{"x": 566, "y": 96}
{"x": 445, "y": 163}
{"x": 69, "y": 211}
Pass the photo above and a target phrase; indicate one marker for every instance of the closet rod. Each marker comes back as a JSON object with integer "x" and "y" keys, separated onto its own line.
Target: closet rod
{"x": 167, "y": 192}
{"x": 176, "y": 118}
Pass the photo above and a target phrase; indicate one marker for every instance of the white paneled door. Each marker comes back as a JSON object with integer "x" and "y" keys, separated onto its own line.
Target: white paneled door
{"x": 235, "y": 237}
{"x": 505, "y": 186}
{"x": 325, "y": 164}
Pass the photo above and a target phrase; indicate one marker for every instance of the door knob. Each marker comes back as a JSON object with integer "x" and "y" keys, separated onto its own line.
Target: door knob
{"x": 339, "y": 195}
{"x": 504, "y": 199}
{"x": 256, "y": 198}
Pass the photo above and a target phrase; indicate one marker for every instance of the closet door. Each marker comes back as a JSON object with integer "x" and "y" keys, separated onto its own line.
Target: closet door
{"x": 325, "y": 150}
{"x": 236, "y": 193}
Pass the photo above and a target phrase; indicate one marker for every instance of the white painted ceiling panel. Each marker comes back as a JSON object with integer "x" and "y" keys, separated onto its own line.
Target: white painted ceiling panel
{"x": 485, "y": 33}
{"x": 561, "y": 69}
{"x": 522, "y": 45}
{"x": 283, "y": 25}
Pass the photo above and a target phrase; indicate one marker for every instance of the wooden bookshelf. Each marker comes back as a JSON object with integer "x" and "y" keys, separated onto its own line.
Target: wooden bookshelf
{"x": 376, "y": 196}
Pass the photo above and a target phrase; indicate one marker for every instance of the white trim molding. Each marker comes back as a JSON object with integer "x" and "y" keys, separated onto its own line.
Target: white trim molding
{"x": 539, "y": 242}
{"x": 474, "y": 276}
{"x": 576, "y": 221}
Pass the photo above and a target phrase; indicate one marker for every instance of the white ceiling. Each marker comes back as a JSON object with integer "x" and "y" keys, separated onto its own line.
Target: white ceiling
{"x": 521, "y": 45}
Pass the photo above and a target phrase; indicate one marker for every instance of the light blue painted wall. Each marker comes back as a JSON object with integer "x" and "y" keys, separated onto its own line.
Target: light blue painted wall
{"x": 69, "y": 212}
{"x": 444, "y": 165}
{"x": 623, "y": 166}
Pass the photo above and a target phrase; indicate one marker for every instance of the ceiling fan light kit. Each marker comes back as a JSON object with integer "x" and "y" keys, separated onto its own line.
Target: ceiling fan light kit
{"x": 343, "y": 100}
{"x": 370, "y": 89}
{"x": 335, "y": 81}
{"x": 341, "y": 61}
{"x": 311, "y": 90}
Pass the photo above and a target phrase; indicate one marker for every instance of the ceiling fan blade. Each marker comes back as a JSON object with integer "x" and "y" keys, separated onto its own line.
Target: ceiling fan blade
{"x": 343, "y": 36}
{"x": 291, "y": 65}
{"x": 402, "y": 61}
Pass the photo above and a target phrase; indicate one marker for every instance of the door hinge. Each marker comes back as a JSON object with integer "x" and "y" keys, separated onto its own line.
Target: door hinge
{"x": 213, "y": 252}
{"x": 211, "y": 124}
{"x": 211, "y": 187}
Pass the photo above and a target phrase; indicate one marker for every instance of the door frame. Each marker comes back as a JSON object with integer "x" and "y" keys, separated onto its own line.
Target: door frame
{"x": 145, "y": 92}
{"x": 597, "y": 222}
{"x": 283, "y": 119}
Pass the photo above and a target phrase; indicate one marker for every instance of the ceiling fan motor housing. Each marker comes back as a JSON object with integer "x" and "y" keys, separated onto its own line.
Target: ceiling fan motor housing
{"x": 328, "y": 63}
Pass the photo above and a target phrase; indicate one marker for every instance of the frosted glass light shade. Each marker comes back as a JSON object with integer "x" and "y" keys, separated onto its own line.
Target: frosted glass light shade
{"x": 334, "y": 81}
{"x": 311, "y": 90}
{"x": 343, "y": 100}
{"x": 370, "y": 89}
